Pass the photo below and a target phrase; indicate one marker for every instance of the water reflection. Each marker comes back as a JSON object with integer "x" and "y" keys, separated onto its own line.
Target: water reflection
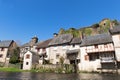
{"x": 53, "y": 76}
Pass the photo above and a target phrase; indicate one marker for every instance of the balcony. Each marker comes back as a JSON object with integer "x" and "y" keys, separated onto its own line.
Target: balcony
{"x": 107, "y": 59}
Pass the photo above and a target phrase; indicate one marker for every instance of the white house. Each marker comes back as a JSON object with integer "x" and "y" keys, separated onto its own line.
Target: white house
{"x": 73, "y": 53}
{"x": 115, "y": 32}
{"x": 58, "y": 47}
{"x": 67, "y": 47}
{"x": 43, "y": 51}
{"x": 28, "y": 46}
{"x": 6, "y": 50}
{"x": 97, "y": 52}
{"x": 30, "y": 58}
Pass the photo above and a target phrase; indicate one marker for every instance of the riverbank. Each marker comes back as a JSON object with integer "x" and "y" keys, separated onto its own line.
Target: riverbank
{"x": 4, "y": 69}
{"x": 11, "y": 69}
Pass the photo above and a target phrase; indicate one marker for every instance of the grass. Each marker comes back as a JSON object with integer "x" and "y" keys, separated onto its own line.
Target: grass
{"x": 10, "y": 69}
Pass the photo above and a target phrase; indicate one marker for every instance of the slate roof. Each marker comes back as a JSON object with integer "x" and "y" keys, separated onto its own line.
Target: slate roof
{"x": 44, "y": 44}
{"x": 5, "y": 43}
{"x": 72, "y": 51}
{"x": 115, "y": 30}
{"x": 76, "y": 41}
{"x": 97, "y": 39}
{"x": 25, "y": 45}
{"x": 36, "y": 44}
{"x": 61, "y": 39}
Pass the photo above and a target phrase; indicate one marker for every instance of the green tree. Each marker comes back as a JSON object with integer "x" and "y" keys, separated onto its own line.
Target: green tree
{"x": 87, "y": 31}
{"x": 14, "y": 57}
{"x": 115, "y": 22}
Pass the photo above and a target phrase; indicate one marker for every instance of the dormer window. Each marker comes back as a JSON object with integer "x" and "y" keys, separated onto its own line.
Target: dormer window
{"x": 2, "y": 49}
{"x": 1, "y": 55}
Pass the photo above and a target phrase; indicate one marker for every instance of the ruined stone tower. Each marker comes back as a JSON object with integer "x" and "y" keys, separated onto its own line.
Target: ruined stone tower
{"x": 33, "y": 41}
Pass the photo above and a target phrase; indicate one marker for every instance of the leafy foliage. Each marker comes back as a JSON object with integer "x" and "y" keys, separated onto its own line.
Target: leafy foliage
{"x": 14, "y": 58}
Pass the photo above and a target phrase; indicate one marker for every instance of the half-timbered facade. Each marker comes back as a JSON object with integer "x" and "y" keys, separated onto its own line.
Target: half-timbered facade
{"x": 97, "y": 52}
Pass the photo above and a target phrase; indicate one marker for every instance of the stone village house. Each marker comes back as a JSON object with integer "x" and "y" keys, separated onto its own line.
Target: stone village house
{"x": 67, "y": 47}
{"x": 92, "y": 53}
{"x": 97, "y": 52}
{"x": 38, "y": 55}
{"x": 28, "y": 48}
{"x": 30, "y": 58}
{"x": 115, "y": 32}
{"x": 6, "y": 50}
{"x": 43, "y": 51}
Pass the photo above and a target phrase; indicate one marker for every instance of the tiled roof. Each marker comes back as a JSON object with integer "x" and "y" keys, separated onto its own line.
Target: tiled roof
{"x": 5, "y": 43}
{"x": 61, "y": 39}
{"x": 44, "y": 44}
{"x": 115, "y": 30}
{"x": 97, "y": 39}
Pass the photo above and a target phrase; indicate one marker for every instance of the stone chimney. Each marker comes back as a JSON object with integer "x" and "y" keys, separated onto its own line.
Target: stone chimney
{"x": 55, "y": 34}
{"x": 34, "y": 40}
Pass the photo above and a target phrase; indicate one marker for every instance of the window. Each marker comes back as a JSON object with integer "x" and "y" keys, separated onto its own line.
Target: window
{"x": 93, "y": 56}
{"x": 26, "y": 48}
{"x": 27, "y": 63}
{"x": 1, "y": 55}
{"x": 44, "y": 49}
{"x": 86, "y": 57}
{"x": 2, "y": 49}
{"x": 38, "y": 49}
{"x": 57, "y": 56}
{"x": 96, "y": 46}
{"x": 73, "y": 45}
{"x": 105, "y": 46}
{"x": 27, "y": 56}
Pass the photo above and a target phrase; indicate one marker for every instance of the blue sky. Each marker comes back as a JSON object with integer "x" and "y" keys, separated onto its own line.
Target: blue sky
{"x": 22, "y": 19}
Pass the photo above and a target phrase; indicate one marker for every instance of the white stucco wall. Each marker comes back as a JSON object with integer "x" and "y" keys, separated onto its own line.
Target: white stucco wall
{"x": 87, "y": 65}
{"x": 29, "y": 66}
{"x": 61, "y": 50}
{"x": 34, "y": 49}
{"x": 4, "y": 53}
{"x": 116, "y": 41}
{"x": 57, "y": 50}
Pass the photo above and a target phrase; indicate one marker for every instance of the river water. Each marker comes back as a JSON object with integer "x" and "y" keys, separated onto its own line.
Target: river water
{"x": 53, "y": 76}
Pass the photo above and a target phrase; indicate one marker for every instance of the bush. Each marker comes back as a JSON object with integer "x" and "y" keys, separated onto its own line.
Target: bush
{"x": 14, "y": 57}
